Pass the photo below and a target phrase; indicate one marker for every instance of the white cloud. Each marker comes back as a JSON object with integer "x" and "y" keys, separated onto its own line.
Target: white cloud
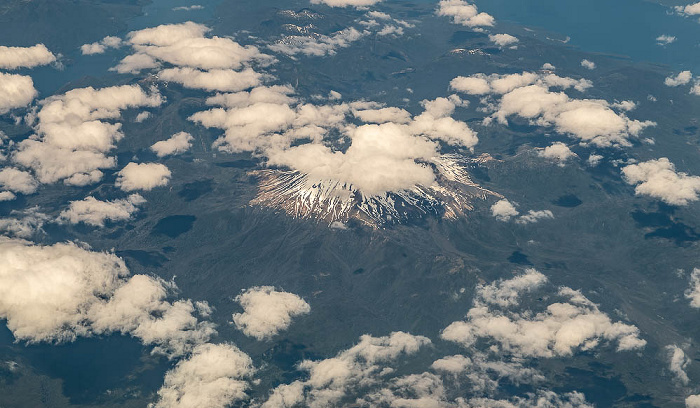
{"x": 665, "y": 39}
{"x": 695, "y": 89}
{"x": 506, "y": 293}
{"x": 266, "y": 311}
{"x": 143, "y": 176}
{"x": 594, "y": 159}
{"x": 142, "y": 116}
{"x": 74, "y": 136}
{"x": 382, "y": 157}
{"x": 7, "y": 196}
{"x": 533, "y": 216}
{"x": 528, "y": 96}
{"x": 503, "y": 210}
{"x": 693, "y": 292}
{"x": 318, "y": 45}
{"x": 682, "y": 78}
{"x": 17, "y": 181}
{"x": 189, "y": 8}
{"x": 587, "y": 64}
{"x": 178, "y": 143}
{"x": 346, "y": 3}
{"x": 560, "y": 329}
{"x": 16, "y": 91}
{"x": 92, "y": 211}
{"x": 452, "y": 364}
{"x": 59, "y": 292}
{"x": 659, "y": 179}
{"x": 474, "y": 85}
{"x": 332, "y": 379}
{"x": 25, "y": 224}
{"x": 677, "y": 363}
{"x": 185, "y": 45}
{"x": 213, "y": 376}
{"x": 101, "y": 46}
{"x": 226, "y": 80}
{"x": 504, "y": 40}
{"x": 689, "y": 10}
{"x": 692, "y": 401}
{"x": 135, "y": 63}
{"x": 464, "y": 13}
{"x": 558, "y": 151}
{"x": 25, "y": 57}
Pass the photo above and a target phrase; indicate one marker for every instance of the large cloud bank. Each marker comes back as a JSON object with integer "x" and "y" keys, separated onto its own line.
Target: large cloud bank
{"x": 59, "y": 292}
{"x": 562, "y": 328}
{"x": 75, "y": 133}
{"x": 529, "y": 96}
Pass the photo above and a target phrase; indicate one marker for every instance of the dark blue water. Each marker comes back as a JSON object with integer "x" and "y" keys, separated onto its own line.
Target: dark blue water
{"x": 623, "y": 27}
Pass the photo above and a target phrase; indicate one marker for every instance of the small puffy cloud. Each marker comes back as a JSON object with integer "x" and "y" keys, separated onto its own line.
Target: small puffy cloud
{"x": 558, "y": 152}
{"x": 266, "y": 311}
{"x": 693, "y": 292}
{"x": 587, "y": 64}
{"x": 692, "y": 401}
{"x": 189, "y": 8}
{"x": 16, "y": 91}
{"x": 474, "y": 85}
{"x": 17, "y": 181}
{"x": 346, "y": 3}
{"x": 7, "y": 196}
{"x": 226, "y": 80}
{"x": 75, "y": 131}
{"x": 177, "y": 144}
{"x": 504, "y": 40}
{"x": 135, "y": 63}
{"x": 25, "y": 57}
{"x": 318, "y": 45}
{"x": 464, "y": 13}
{"x": 665, "y": 39}
{"x": 23, "y": 224}
{"x": 548, "y": 67}
{"x": 452, "y": 364}
{"x": 695, "y": 89}
{"x": 59, "y": 292}
{"x": 677, "y": 363}
{"x": 142, "y": 116}
{"x": 624, "y": 105}
{"x": 331, "y": 380}
{"x": 507, "y": 293}
{"x": 143, "y": 176}
{"x": 92, "y": 211}
{"x": 689, "y": 10}
{"x": 594, "y": 160}
{"x": 659, "y": 179}
{"x": 533, "y": 216}
{"x": 574, "y": 323}
{"x": 503, "y": 210}
{"x": 101, "y": 46}
{"x": 213, "y": 376}
{"x": 682, "y": 78}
